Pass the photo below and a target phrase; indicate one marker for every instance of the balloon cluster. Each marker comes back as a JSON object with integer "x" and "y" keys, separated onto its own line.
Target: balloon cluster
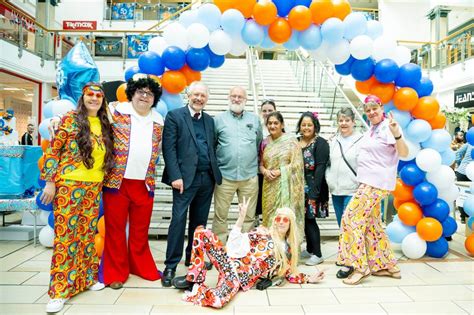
{"x": 468, "y": 204}
{"x": 46, "y": 235}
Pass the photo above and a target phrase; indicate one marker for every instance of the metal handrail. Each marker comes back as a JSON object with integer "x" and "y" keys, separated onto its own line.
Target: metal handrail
{"x": 252, "y": 82}
{"x": 259, "y": 70}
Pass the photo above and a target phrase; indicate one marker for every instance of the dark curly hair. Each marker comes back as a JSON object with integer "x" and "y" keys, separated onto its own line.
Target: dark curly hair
{"x": 315, "y": 120}
{"x": 83, "y": 137}
{"x": 146, "y": 82}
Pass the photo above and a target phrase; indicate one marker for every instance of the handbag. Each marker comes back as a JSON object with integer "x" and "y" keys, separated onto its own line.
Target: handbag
{"x": 344, "y": 157}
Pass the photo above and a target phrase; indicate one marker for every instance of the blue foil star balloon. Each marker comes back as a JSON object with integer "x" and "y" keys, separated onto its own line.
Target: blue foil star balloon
{"x": 74, "y": 71}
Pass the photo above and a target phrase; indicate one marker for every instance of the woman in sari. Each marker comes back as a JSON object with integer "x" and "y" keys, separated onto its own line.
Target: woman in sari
{"x": 282, "y": 167}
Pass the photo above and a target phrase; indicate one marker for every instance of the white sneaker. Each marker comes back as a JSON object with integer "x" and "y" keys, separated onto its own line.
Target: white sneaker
{"x": 314, "y": 260}
{"x": 97, "y": 286}
{"x": 55, "y": 305}
{"x": 305, "y": 254}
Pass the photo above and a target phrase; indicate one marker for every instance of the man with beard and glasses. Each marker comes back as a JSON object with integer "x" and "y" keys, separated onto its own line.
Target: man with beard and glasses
{"x": 238, "y": 134}
{"x": 191, "y": 169}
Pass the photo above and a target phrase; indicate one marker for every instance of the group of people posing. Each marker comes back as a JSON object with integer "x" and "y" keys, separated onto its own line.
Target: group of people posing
{"x": 114, "y": 148}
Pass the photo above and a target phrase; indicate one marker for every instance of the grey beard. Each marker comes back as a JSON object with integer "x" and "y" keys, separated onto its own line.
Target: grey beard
{"x": 235, "y": 108}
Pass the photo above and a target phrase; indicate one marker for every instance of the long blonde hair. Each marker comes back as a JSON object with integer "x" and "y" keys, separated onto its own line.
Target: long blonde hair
{"x": 293, "y": 241}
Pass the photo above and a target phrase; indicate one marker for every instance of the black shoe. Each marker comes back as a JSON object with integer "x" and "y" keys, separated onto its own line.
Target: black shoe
{"x": 341, "y": 274}
{"x": 208, "y": 265}
{"x": 463, "y": 220}
{"x": 187, "y": 262}
{"x": 168, "y": 276}
{"x": 182, "y": 284}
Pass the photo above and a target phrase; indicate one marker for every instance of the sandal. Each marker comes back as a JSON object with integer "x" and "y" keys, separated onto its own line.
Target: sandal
{"x": 387, "y": 273}
{"x": 356, "y": 277}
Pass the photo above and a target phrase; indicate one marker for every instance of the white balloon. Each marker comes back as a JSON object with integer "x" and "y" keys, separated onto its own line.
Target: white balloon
{"x": 157, "y": 44}
{"x": 43, "y": 217}
{"x": 374, "y": 29}
{"x": 413, "y": 246}
{"x": 339, "y": 52}
{"x": 188, "y": 17}
{"x": 198, "y": 35}
{"x": 320, "y": 54}
{"x": 470, "y": 171}
{"x": 175, "y": 35}
{"x": 209, "y": 15}
{"x": 471, "y": 188}
{"x": 413, "y": 150}
{"x": 61, "y": 107}
{"x": 384, "y": 47}
{"x": 402, "y": 55}
{"x": 428, "y": 160}
{"x": 220, "y": 42}
{"x": 442, "y": 178}
{"x": 239, "y": 47}
{"x": 450, "y": 194}
{"x": 361, "y": 47}
{"x": 46, "y": 236}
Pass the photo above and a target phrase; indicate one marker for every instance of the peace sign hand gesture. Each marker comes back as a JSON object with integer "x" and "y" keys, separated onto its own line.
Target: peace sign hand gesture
{"x": 243, "y": 207}
{"x": 393, "y": 125}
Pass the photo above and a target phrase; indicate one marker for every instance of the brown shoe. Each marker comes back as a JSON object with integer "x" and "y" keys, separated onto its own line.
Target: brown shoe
{"x": 116, "y": 285}
{"x": 356, "y": 277}
{"x": 388, "y": 273}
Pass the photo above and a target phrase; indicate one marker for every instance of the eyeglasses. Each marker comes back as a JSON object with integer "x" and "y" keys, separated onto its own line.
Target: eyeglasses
{"x": 239, "y": 97}
{"x": 283, "y": 219}
{"x": 142, "y": 93}
{"x": 268, "y": 101}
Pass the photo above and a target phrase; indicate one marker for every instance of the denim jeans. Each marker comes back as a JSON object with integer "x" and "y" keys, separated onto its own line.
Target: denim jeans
{"x": 340, "y": 203}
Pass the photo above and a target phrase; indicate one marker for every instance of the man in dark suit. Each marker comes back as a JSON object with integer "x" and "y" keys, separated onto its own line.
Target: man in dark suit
{"x": 191, "y": 169}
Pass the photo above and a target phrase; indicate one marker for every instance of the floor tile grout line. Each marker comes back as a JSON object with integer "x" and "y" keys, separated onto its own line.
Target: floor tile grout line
{"x": 462, "y": 308}
{"x": 383, "y": 308}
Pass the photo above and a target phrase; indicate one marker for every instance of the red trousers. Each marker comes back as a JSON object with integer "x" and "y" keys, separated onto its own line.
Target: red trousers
{"x": 132, "y": 201}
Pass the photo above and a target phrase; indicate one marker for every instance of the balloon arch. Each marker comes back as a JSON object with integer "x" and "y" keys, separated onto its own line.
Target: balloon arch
{"x": 425, "y": 190}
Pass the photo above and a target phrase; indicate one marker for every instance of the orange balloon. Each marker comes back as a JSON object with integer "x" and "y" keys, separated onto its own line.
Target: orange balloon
{"x": 321, "y": 10}
{"x": 405, "y": 98}
{"x": 245, "y": 7}
{"x": 265, "y": 12}
{"x": 101, "y": 226}
{"x": 365, "y": 86}
{"x": 397, "y": 203}
{"x": 121, "y": 95}
{"x": 279, "y": 31}
{"x": 41, "y": 163}
{"x": 469, "y": 244}
{"x": 190, "y": 74}
{"x": 224, "y": 5}
{"x": 173, "y": 81}
{"x": 427, "y": 108}
{"x": 438, "y": 122}
{"x": 342, "y": 8}
{"x": 99, "y": 244}
{"x": 410, "y": 213}
{"x": 402, "y": 191}
{"x": 429, "y": 229}
{"x": 44, "y": 144}
{"x": 299, "y": 18}
{"x": 384, "y": 91}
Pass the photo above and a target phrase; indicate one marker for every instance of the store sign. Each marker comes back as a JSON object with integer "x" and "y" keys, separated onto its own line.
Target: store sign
{"x": 79, "y": 25}
{"x": 464, "y": 96}
{"x": 16, "y": 18}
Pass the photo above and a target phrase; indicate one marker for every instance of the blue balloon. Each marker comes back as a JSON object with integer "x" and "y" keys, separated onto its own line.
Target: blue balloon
{"x": 172, "y": 101}
{"x": 292, "y": 43}
{"x": 449, "y": 227}
{"x": 396, "y": 231}
{"x": 162, "y": 108}
{"x": 412, "y": 175}
{"x": 409, "y": 75}
{"x": 130, "y": 72}
{"x": 402, "y": 117}
{"x": 310, "y": 38}
{"x": 48, "y": 109}
{"x": 374, "y": 29}
{"x": 448, "y": 157}
{"x": 209, "y": 15}
{"x": 173, "y": 57}
{"x": 197, "y": 59}
{"x": 386, "y": 70}
{"x": 267, "y": 42}
{"x": 438, "y": 248}
{"x": 472, "y": 154}
{"x": 355, "y": 24}
{"x": 362, "y": 70}
{"x": 402, "y": 164}
{"x": 151, "y": 63}
{"x": 215, "y": 61}
{"x": 51, "y": 219}
{"x": 418, "y": 130}
{"x": 41, "y": 183}
{"x": 438, "y": 210}
{"x": 252, "y": 33}
{"x": 306, "y": 3}
{"x": 101, "y": 207}
{"x": 425, "y": 193}
{"x": 345, "y": 68}
{"x": 439, "y": 140}
{"x": 232, "y": 22}
{"x": 468, "y": 205}
{"x": 284, "y": 6}
{"x": 332, "y": 30}
{"x": 388, "y": 107}
{"x": 470, "y": 136}
{"x": 42, "y": 206}
{"x": 470, "y": 223}
{"x": 424, "y": 87}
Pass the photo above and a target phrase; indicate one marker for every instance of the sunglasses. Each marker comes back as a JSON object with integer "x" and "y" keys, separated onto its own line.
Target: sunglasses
{"x": 283, "y": 219}
{"x": 268, "y": 101}
{"x": 92, "y": 93}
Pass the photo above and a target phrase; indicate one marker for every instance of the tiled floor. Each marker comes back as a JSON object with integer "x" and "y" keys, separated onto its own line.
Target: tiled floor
{"x": 428, "y": 286}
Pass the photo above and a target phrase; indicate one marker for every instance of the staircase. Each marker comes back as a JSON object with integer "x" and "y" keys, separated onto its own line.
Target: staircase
{"x": 281, "y": 85}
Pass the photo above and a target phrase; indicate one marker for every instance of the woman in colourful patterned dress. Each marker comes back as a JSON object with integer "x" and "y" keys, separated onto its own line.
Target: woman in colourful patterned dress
{"x": 247, "y": 257}
{"x": 282, "y": 167}
{"x": 75, "y": 162}
{"x": 315, "y": 155}
{"x": 363, "y": 244}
